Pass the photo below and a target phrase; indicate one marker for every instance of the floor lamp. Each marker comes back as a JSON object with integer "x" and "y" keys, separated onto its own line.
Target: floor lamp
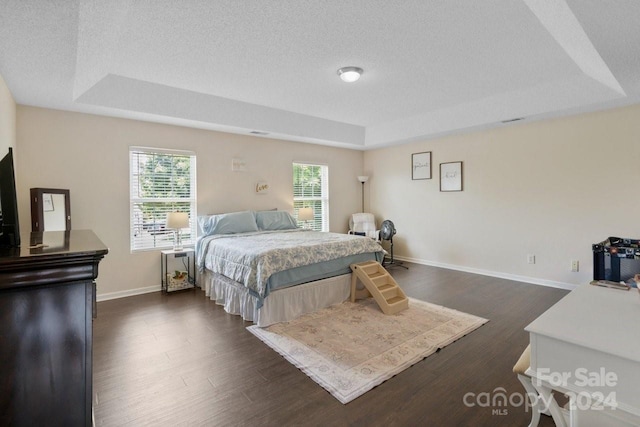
{"x": 363, "y": 179}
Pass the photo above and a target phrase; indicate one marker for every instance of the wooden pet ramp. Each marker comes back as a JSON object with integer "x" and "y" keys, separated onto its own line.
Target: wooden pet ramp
{"x": 380, "y": 285}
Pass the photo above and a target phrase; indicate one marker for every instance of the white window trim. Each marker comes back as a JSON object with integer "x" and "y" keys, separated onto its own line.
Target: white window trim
{"x": 192, "y": 200}
{"x": 325, "y": 191}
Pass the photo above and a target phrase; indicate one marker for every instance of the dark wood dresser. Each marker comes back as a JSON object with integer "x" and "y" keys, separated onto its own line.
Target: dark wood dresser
{"x": 47, "y": 303}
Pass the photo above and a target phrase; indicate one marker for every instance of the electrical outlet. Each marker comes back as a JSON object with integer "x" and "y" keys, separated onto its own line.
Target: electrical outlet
{"x": 531, "y": 259}
{"x": 575, "y": 266}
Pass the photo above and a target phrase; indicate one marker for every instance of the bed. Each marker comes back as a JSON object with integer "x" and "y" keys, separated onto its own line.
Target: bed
{"x": 263, "y": 267}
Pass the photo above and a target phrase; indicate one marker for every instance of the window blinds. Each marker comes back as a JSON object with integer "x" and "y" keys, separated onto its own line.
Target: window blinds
{"x": 162, "y": 181}
{"x": 311, "y": 190}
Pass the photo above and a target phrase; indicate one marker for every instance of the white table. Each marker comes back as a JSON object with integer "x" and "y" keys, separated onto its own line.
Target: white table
{"x": 588, "y": 346}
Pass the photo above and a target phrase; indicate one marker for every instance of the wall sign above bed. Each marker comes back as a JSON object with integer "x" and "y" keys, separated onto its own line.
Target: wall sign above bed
{"x": 262, "y": 187}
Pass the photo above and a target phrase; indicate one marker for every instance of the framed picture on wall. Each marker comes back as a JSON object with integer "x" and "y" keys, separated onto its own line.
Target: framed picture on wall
{"x": 451, "y": 176}
{"x": 421, "y": 165}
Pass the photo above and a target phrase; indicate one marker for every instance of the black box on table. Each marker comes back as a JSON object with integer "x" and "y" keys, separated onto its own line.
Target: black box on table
{"x": 616, "y": 259}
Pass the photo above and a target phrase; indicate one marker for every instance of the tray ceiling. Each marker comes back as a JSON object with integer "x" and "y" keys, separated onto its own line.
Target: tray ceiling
{"x": 430, "y": 68}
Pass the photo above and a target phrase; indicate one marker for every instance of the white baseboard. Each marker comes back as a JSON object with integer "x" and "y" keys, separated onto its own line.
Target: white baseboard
{"x": 514, "y": 277}
{"x": 128, "y": 293}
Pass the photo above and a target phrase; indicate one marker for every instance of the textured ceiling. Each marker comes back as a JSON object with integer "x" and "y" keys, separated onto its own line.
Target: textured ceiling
{"x": 431, "y": 68}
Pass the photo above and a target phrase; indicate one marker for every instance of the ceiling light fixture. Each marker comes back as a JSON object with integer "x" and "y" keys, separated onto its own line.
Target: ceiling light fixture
{"x": 350, "y": 74}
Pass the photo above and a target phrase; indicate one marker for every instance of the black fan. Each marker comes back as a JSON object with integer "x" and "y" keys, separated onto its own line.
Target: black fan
{"x": 387, "y": 231}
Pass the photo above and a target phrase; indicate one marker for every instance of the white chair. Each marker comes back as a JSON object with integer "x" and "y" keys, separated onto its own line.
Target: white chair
{"x": 364, "y": 224}
{"x": 536, "y": 398}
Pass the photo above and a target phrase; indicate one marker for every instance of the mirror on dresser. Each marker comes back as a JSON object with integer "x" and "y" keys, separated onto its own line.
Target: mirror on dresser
{"x": 50, "y": 209}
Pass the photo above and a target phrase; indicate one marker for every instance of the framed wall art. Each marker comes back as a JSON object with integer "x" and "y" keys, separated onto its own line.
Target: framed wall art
{"x": 421, "y": 165}
{"x": 451, "y": 176}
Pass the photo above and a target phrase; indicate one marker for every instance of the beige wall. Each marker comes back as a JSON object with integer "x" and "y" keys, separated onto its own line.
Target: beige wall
{"x": 7, "y": 119}
{"x": 548, "y": 188}
{"x": 89, "y": 156}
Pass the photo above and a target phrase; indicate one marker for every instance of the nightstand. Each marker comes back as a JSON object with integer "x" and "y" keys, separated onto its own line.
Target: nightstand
{"x": 178, "y": 269}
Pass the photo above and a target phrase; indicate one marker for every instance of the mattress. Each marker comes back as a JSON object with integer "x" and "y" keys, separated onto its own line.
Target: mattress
{"x": 317, "y": 271}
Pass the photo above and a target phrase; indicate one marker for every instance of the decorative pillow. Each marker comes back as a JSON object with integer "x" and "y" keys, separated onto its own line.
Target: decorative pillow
{"x": 275, "y": 220}
{"x": 229, "y": 223}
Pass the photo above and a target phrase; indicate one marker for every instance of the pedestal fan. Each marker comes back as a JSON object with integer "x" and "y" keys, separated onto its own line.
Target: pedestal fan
{"x": 387, "y": 230}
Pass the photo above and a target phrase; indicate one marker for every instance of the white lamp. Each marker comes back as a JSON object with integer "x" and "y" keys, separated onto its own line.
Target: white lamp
{"x": 305, "y": 214}
{"x": 350, "y": 74}
{"x": 177, "y": 221}
{"x": 363, "y": 179}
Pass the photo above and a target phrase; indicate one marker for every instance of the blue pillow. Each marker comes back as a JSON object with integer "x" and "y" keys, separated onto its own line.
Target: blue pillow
{"x": 230, "y": 223}
{"x": 275, "y": 220}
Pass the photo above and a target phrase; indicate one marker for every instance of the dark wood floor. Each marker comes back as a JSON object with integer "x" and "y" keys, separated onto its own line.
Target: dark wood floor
{"x": 179, "y": 359}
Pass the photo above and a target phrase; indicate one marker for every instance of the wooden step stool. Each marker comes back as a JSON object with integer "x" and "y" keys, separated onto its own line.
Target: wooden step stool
{"x": 380, "y": 285}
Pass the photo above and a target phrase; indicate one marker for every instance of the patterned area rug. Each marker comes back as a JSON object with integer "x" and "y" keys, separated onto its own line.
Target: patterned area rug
{"x": 352, "y": 347}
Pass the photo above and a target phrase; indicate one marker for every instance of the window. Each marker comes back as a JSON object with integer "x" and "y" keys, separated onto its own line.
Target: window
{"x": 162, "y": 181}
{"x": 311, "y": 190}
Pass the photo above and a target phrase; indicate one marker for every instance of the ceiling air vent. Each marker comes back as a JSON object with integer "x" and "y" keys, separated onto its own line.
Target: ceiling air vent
{"x": 257, "y": 132}
{"x": 513, "y": 120}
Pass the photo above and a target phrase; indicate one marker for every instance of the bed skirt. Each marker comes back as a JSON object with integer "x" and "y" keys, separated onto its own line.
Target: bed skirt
{"x": 281, "y": 305}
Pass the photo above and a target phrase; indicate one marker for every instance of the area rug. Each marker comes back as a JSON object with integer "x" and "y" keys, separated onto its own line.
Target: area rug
{"x": 350, "y": 348}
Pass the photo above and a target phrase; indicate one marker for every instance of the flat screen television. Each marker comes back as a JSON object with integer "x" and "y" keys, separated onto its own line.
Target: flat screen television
{"x": 9, "y": 229}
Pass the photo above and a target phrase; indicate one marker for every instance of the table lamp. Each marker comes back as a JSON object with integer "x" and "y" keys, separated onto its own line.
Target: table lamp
{"x": 305, "y": 214}
{"x": 177, "y": 221}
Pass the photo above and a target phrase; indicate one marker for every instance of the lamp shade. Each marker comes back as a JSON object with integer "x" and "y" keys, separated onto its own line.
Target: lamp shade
{"x": 305, "y": 214}
{"x": 177, "y": 220}
{"x": 363, "y": 178}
